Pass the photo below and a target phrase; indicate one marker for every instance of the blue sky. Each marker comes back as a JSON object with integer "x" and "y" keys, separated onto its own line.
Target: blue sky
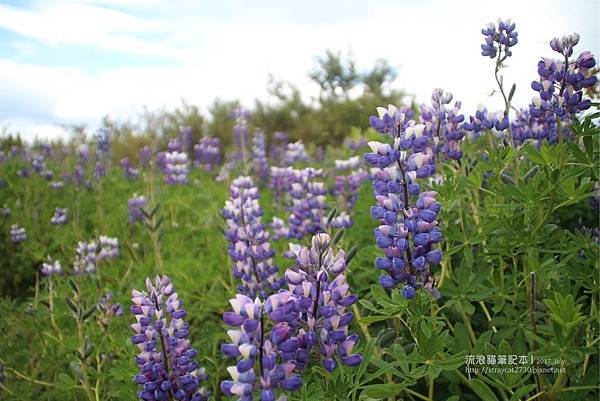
{"x": 74, "y": 61}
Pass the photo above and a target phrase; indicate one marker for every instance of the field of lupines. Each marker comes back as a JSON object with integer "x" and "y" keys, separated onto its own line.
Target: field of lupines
{"x": 442, "y": 255}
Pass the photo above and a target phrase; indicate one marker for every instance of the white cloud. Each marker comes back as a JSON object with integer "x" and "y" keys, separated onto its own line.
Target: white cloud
{"x": 437, "y": 46}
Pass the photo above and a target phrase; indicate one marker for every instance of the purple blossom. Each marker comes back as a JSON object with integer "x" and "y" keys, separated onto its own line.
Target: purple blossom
{"x": 60, "y": 216}
{"x": 321, "y": 296}
{"x": 176, "y": 168}
{"x": 85, "y": 258}
{"x": 259, "y": 156}
{"x": 444, "y": 124}
{"x": 249, "y": 248}
{"x": 308, "y": 203}
{"x": 185, "y": 138}
{"x": 252, "y": 344}
{"x": 561, "y": 83}
{"x": 499, "y": 39}
{"x": 294, "y": 153}
{"x": 145, "y": 155}
{"x": 207, "y": 153}
{"x": 134, "y": 207}
{"x": 281, "y": 181}
{"x": 348, "y": 180}
{"x": 109, "y": 248}
{"x": 485, "y": 120}
{"x": 108, "y": 310}
{"x": 128, "y": 170}
{"x": 166, "y": 357}
{"x": 17, "y": 234}
{"x": 51, "y": 268}
{"x": 408, "y": 227}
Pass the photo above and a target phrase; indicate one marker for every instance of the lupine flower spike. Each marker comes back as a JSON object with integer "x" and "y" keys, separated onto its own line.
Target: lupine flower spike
{"x": 166, "y": 357}
{"x": 408, "y": 228}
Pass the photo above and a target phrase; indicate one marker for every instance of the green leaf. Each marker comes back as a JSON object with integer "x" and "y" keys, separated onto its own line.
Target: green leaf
{"x": 483, "y": 391}
{"x": 522, "y": 392}
{"x": 512, "y": 92}
{"x": 379, "y": 391}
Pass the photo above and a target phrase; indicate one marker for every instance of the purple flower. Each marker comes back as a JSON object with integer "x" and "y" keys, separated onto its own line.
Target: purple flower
{"x": 561, "y": 83}
{"x": 263, "y": 362}
{"x": 348, "y": 180}
{"x": 166, "y": 359}
{"x": 318, "y": 314}
{"x": 207, "y": 153}
{"x": 17, "y": 234}
{"x": 176, "y": 168}
{"x": 259, "y": 156}
{"x": 134, "y": 207}
{"x": 249, "y": 248}
{"x": 145, "y": 155}
{"x": 294, "y": 153}
{"x": 128, "y": 170}
{"x": 444, "y": 124}
{"x": 60, "y": 216}
{"x": 108, "y": 310}
{"x": 51, "y": 268}
{"x": 109, "y": 248}
{"x": 499, "y": 39}
{"x": 85, "y": 258}
{"x": 308, "y": 203}
{"x": 408, "y": 227}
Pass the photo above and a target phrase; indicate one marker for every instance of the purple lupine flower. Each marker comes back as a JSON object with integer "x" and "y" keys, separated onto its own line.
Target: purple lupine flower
{"x": 176, "y": 168}
{"x": 308, "y": 203}
{"x": 128, "y": 170}
{"x": 134, "y": 207}
{"x": 252, "y": 344}
{"x": 174, "y": 145}
{"x": 278, "y": 147}
{"x": 444, "y": 123}
{"x": 99, "y": 170}
{"x": 37, "y": 163}
{"x": 526, "y": 128}
{"x": 561, "y": 83}
{"x": 166, "y": 359}
{"x": 60, "y": 216}
{"x": 83, "y": 153}
{"x": 281, "y": 181}
{"x": 280, "y": 229}
{"x": 294, "y": 153}
{"x": 408, "y": 227}
{"x": 322, "y": 296}
{"x": 51, "y": 268}
{"x": 17, "y": 234}
{"x": 85, "y": 258}
{"x": 249, "y": 248}
{"x": 145, "y": 155}
{"x": 109, "y": 248}
{"x": 103, "y": 143}
{"x": 207, "y": 153}
{"x": 485, "y": 120}
{"x": 348, "y": 180}
{"x": 79, "y": 175}
{"x": 355, "y": 143}
{"x": 259, "y": 156}
{"x": 185, "y": 138}
{"x": 107, "y": 309}
{"x": 499, "y": 39}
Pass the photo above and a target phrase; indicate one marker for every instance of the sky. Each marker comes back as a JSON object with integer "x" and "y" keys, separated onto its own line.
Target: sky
{"x": 71, "y": 62}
